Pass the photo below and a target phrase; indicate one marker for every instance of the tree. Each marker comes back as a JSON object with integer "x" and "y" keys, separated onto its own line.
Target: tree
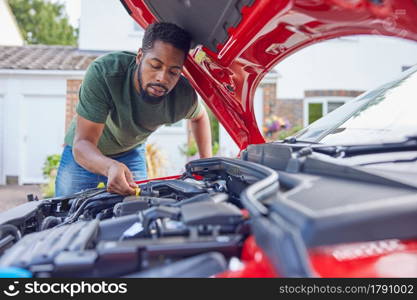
{"x": 43, "y": 22}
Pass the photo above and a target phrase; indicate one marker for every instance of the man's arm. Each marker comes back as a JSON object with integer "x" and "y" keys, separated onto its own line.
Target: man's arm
{"x": 86, "y": 153}
{"x": 200, "y": 127}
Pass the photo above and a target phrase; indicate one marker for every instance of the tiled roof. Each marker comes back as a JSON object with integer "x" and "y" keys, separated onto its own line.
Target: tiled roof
{"x": 41, "y": 57}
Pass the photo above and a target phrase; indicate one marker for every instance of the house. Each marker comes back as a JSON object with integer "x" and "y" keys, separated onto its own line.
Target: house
{"x": 33, "y": 105}
{"x": 33, "y": 96}
{"x": 10, "y": 33}
{"x": 106, "y": 26}
{"x": 39, "y": 90}
{"x": 322, "y": 77}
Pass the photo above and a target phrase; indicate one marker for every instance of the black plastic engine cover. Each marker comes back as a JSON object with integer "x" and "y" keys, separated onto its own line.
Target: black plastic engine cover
{"x": 41, "y": 248}
{"x": 211, "y": 213}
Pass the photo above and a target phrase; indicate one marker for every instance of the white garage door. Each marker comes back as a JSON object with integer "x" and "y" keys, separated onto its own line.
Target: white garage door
{"x": 43, "y": 133}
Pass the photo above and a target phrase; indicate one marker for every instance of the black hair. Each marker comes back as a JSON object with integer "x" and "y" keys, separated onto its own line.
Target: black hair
{"x": 168, "y": 33}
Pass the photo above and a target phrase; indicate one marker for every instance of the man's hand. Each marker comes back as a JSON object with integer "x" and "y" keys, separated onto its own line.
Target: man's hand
{"x": 120, "y": 179}
{"x": 86, "y": 153}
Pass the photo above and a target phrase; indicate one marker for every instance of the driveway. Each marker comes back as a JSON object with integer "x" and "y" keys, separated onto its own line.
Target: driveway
{"x": 13, "y": 195}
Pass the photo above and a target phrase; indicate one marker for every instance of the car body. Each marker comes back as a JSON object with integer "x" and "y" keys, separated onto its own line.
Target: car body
{"x": 323, "y": 203}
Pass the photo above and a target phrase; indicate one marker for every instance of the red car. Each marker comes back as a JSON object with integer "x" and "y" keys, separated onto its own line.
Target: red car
{"x": 318, "y": 204}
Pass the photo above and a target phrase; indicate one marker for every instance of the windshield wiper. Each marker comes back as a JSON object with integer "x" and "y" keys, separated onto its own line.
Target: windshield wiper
{"x": 395, "y": 161}
{"x": 410, "y": 144}
{"x": 294, "y": 140}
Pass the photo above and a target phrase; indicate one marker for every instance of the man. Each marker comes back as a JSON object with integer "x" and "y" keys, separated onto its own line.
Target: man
{"x": 125, "y": 97}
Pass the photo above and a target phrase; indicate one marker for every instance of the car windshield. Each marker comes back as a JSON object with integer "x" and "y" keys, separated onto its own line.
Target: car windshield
{"x": 385, "y": 114}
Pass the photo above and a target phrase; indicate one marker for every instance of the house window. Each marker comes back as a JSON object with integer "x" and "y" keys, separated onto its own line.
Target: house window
{"x": 315, "y": 112}
{"x": 315, "y": 108}
{"x": 331, "y": 105}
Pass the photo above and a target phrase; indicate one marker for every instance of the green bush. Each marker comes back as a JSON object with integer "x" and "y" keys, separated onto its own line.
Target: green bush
{"x": 189, "y": 149}
{"x": 49, "y": 170}
{"x": 286, "y": 133}
{"x": 215, "y": 148}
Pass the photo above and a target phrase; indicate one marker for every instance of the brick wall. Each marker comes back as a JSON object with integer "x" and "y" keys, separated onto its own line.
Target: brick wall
{"x": 290, "y": 110}
{"x": 269, "y": 98}
{"x": 73, "y": 85}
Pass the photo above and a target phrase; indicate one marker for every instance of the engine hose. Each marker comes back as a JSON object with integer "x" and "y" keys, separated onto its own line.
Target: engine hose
{"x": 50, "y": 222}
{"x": 153, "y": 213}
{"x": 72, "y": 218}
{"x": 10, "y": 229}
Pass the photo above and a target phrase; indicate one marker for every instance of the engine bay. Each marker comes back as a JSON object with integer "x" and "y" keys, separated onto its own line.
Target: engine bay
{"x": 196, "y": 224}
{"x": 206, "y": 221}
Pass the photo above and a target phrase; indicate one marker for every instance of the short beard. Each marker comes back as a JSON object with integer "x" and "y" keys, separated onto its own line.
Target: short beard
{"x": 144, "y": 94}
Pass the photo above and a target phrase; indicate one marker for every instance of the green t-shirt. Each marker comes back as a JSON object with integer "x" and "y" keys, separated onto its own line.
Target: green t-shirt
{"x": 107, "y": 95}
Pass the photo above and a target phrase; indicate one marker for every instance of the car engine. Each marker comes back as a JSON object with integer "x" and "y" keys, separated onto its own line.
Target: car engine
{"x": 186, "y": 227}
{"x": 222, "y": 216}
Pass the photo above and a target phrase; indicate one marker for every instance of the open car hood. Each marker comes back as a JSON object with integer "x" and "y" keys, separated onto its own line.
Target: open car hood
{"x": 236, "y": 42}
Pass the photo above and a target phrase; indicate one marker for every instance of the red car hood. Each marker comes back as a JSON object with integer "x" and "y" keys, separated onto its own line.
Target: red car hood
{"x": 266, "y": 31}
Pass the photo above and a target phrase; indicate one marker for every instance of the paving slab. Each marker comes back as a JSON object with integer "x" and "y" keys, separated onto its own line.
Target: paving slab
{"x": 13, "y": 195}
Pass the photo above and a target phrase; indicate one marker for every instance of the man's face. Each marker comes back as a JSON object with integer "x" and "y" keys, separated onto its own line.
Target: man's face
{"x": 159, "y": 69}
